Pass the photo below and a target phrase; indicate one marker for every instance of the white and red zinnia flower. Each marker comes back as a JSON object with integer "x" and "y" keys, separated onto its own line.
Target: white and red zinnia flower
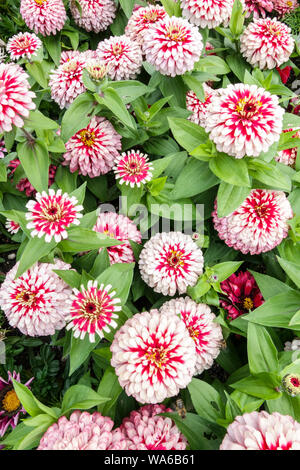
{"x": 154, "y": 356}
{"x": 244, "y": 120}
{"x": 11, "y": 226}
{"x": 197, "y": 107}
{"x": 133, "y": 168}
{"x": 36, "y": 302}
{"x": 199, "y": 321}
{"x": 267, "y": 43}
{"x": 172, "y": 46}
{"x": 258, "y": 225}
{"x": 121, "y": 228}
{"x": 15, "y": 97}
{"x": 49, "y": 215}
{"x": 288, "y": 156}
{"x": 66, "y": 81}
{"x": 170, "y": 262}
{"x": 258, "y": 8}
{"x": 141, "y": 19}
{"x": 44, "y": 17}
{"x": 92, "y": 150}
{"x": 262, "y": 431}
{"x": 95, "y": 15}
{"x": 23, "y": 45}
{"x": 207, "y": 13}
{"x": 283, "y": 7}
{"x": 123, "y": 56}
{"x": 93, "y": 310}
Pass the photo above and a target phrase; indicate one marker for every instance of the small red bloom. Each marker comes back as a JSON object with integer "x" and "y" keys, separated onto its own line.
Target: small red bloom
{"x": 284, "y": 73}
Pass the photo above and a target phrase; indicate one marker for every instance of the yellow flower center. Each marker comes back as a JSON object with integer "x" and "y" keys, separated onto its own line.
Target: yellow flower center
{"x": 27, "y": 298}
{"x": 157, "y": 356}
{"x": 117, "y": 49}
{"x": 248, "y": 107}
{"x": 248, "y": 303}
{"x": 289, "y": 4}
{"x": 10, "y": 401}
{"x": 193, "y": 333}
{"x": 53, "y": 212}
{"x": 176, "y": 34}
{"x": 174, "y": 259}
{"x": 151, "y": 16}
{"x": 40, "y": 2}
{"x": 87, "y": 137}
{"x": 110, "y": 234}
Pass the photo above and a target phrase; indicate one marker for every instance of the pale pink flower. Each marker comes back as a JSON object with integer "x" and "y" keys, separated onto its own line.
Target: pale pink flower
{"x": 262, "y": 431}
{"x": 49, "y": 215}
{"x": 11, "y": 226}
{"x": 172, "y": 46}
{"x": 15, "y": 97}
{"x": 293, "y": 345}
{"x": 141, "y": 19}
{"x": 171, "y": 262}
{"x": 66, "y": 81}
{"x": 44, "y": 17}
{"x": 197, "y": 107}
{"x": 267, "y": 43}
{"x": 133, "y": 168}
{"x": 23, "y": 45}
{"x": 95, "y": 15}
{"x": 200, "y": 323}
{"x": 283, "y": 7}
{"x": 258, "y": 8}
{"x": 121, "y": 228}
{"x": 258, "y": 225}
{"x": 154, "y": 356}
{"x": 66, "y": 56}
{"x": 36, "y": 302}
{"x": 288, "y": 156}
{"x": 244, "y": 120}
{"x": 207, "y": 13}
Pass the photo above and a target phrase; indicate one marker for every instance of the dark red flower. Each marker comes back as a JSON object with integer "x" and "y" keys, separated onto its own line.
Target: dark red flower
{"x": 284, "y": 73}
{"x": 243, "y": 294}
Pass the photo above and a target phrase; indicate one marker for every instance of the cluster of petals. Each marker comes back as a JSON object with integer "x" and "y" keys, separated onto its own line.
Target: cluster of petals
{"x": 197, "y": 107}
{"x": 123, "y": 56}
{"x": 154, "y": 356}
{"x": 288, "y": 156}
{"x": 262, "y": 431}
{"x": 49, "y": 215}
{"x": 141, "y": 19}
{"x": 259, "y": 8}
{"x": 293, "y": 345}
{"x": 44, "y": 17}
{"x": 207, "y": 13}
{"x": 172, "y": 46}
{"x": 23, "y": 45}
{"x": 170, "y": 262}
{"x": 283, "y": 7}
{"x": 92, "y": 150}
{"x": 24, "y": 184}
{"x": 118, "y": 227}
{"x": 133, "y": 168}
{"x": 95, "y": 15}
{"x": 66, "y": 81}
{"x": 83, "y": 431}
{"x": 15, "y": 97}
{"x": 12, "y": 227}
{"x": 3, "y": 149}
{"x": 244, "y": 120}
{"x": 267, "y": 43}
{"x": 36, "y": 302}
{"x": 200, "y": 323}
{"x": 66, "y": 56}
{"x": 258, "y": 225}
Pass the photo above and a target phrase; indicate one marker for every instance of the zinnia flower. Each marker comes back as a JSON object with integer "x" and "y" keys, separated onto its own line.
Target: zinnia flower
{"x": 44, "y": 17}
{"x": 199, "y": 321}
{"x": 258, "y": 8}
{"x": 96, "y": 69}
{"x": 15, "y": 97}
{"x": 133, "y": 168}
{"x": 121, "y": 228}
{"x": 262, "y": 431}
{"x": 284, "y": 73}
{"x": 171, "y": 262}
{"x": 95, "y": 15}
{"x": 24, "y": 184}
{"x": 267, "y": 43}
{"x": 93, "y": 311}
{"x": 207, "y": 13}
{"x": 92, "y": 150}
{"x": 66, "y": 82}
{"x": 145, "y": 430}
{"x": 51, "y": 214}
{"x": 244, "y": 120}
{"x": 123, "y": 56}
{"x": 172, "y": 46}
{"x": 66, "y": 56}
{"x": 36, "y": 302}
{"x": 291, "y": 384}
{"x": 10, "y": 405}
{"x": 258, "y": 225}
{"x": 197, "y": 107}
{"x": 154, "y": 356}
{"x": 283, "y": 7}
{"x": 82, "y": 431}
{"x": 11, "y": 226}
{"x": 292, "y": 345}
{"x": 23, "y": 45}
{"x": 141, "y": 19}
{"x": 242, "y": 293}
{"x": 288, "y": 156}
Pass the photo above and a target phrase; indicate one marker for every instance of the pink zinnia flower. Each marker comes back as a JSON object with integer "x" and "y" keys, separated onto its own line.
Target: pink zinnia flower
{"x": 15, "y": 97}
{"x": 258, "y": 8}
{"x": 66, "y": 56}
{"x": 36, "y": 302}
{"x": 207, "y": 13}
{"x": 51, "y": 214}
{"x": 24, "y": 184}
{"x": 92, "y": 150}
{"x": 154, "y": 356}
{"x": 199, "y": 321}
{"x": 172, "y": 46}
{"x": 95, "y": 15}
{"x": 121, "y": 228}
{"x": 23, "y": 45}
{"x": 288, "y": 156}
{"x": 267, "y": 43}
{"x": 3, "y": 150}
{"x": 262, "y": 431}
{"x": 283, "y": 7}
{"x": 197, "y": 107}
{"x": 44, "y": 17}
{"x": 10, "y": 405}
{"x": 66, "y": 82}
{"x": 242, "y": 293}
{"x": 141, "y": 19}
{"x": 123, "y": 56}
{"x": 133, "y": 168}
{"x": 244, "y": 120}
{"x": 83, "y": 431}
{"x": 11, "y": 226}
{"x": 171, "y": 262}
{"x": 258, "y": 225}
{"x": 145, "y": 430}
{"x": 93, "y": 311}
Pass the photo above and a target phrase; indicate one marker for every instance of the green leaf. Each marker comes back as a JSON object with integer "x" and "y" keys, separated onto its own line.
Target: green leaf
{"x": 270, "y": 175}
{"x": 127, "y": 7}
{"x": 224, "y": 270}
{"x": 231, "y": 170}
{"x": 172, "y": 7}
{"x": 206, "y": 400}
{"x": 34, "y": 435}
{"x": 37, "y": 120}
{"x": 40, "y": 72}
{"x": 80, "y": 351}
{"x": 269, "y": 286}
{"x": 195, "y": 178}
{"x": 71, "y": 277}
{"x": 53, "y": 46}
{"x": 262, "y": 353}
{"x": 174, "y": 87}
{"x": 120, "y": 276}
{"x": 230, "y": 197}
{"x": 212, "y": 64}
{"x": 285, "y": 405}
{"x": 27, "y": 398}
{"x": 35, "y": 162}
{"x": 109, "y": 387}
{"x": 112, "y": 101}
{"x": 129, "y": 90}
{"x": 292, "y": 270}
{"x": 188, "y": 134}
{"x": 237, "y": 18}
{"x": 35, "y": 249}
{"x": 83, "y": 239}
{"x": 77, "y": 116}
{"x": 290, "y": 120}
{"x": 262, "y": 386}
{"x": 80, "y": 397}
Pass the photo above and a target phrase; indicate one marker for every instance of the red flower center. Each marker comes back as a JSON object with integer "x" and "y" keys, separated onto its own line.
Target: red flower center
{"x": 295, "y": 382}
{"x": 248, "y": 107}
{"x": 174, "y": 259}
{"x": 52, "y": 212}
{"x": 157, "y": 356}
{"x": 26, "y": 298}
